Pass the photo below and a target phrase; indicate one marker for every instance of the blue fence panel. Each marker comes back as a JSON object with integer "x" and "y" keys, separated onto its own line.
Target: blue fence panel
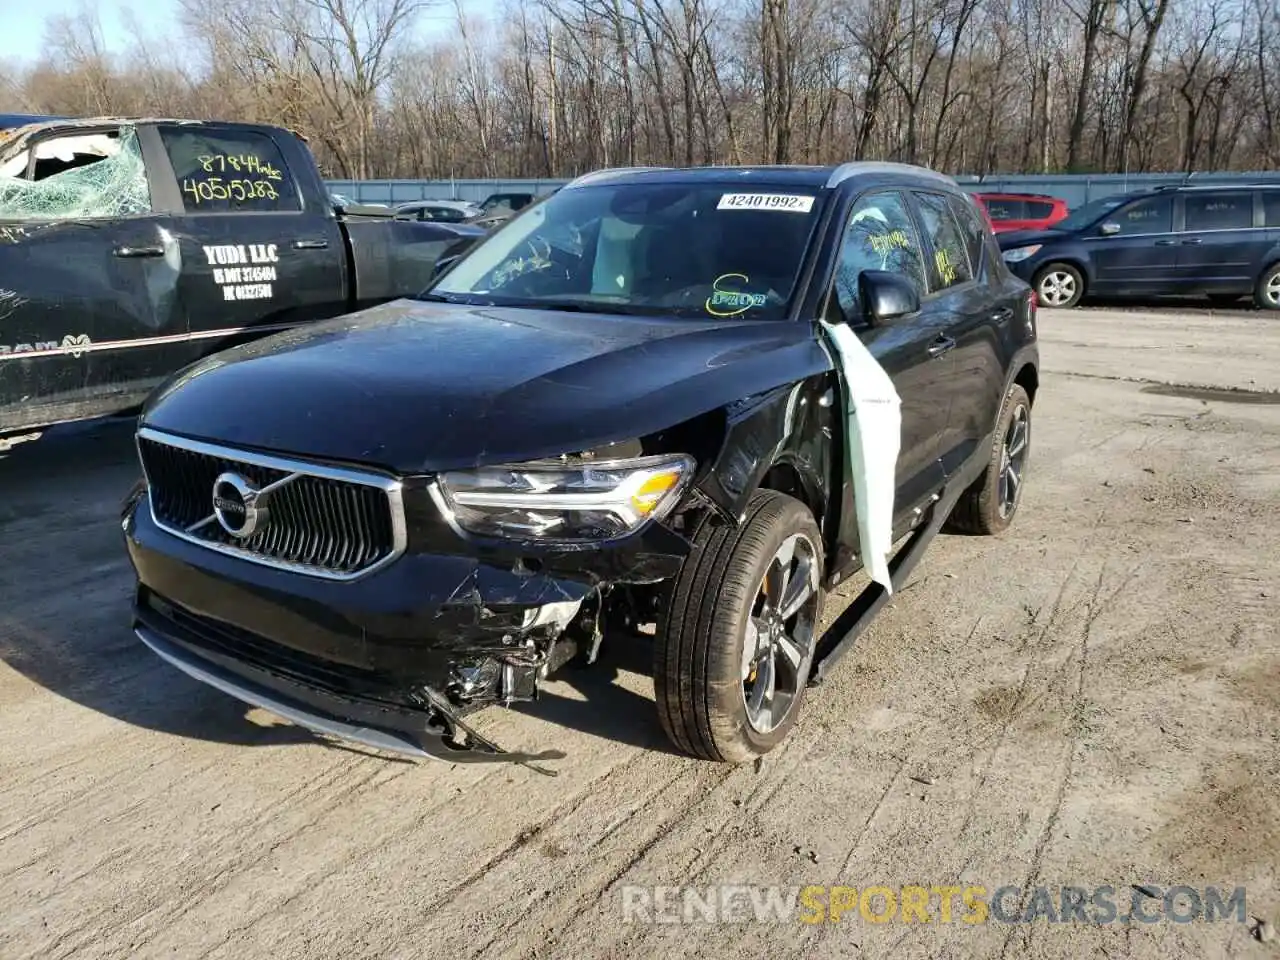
{"x": 1075, "y": 189}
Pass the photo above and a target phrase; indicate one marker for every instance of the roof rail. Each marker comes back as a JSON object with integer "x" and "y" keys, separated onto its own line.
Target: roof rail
{"x": 608, "y": 173}
{"x": 846, "y": 170}
{"x": 1248, "y": 185}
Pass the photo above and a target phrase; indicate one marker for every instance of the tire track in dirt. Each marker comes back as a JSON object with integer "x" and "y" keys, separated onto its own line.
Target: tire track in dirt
{"x": 686, "y": 841}
{"x": 495, "y": 839}
{"x": 1096, "y": 605}
{"x": 99, "y": 927}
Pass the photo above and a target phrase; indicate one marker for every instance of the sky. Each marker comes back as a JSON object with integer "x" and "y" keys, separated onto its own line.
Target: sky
{"x": 22, "y": 21}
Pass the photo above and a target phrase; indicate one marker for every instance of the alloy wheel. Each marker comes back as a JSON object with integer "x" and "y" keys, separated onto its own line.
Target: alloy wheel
{"x": 1272, "y": 289}
{"x": 777, "y": 650}
{"x": 1013, "y": 459}
{"x": 1056, "y": 288}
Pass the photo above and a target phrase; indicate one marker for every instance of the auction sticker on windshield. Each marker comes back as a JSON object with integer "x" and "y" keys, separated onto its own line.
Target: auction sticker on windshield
{"x": 788, "y": 202}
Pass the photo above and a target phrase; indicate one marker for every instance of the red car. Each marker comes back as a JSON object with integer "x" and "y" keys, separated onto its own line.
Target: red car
{"x": 1021, "y": 211}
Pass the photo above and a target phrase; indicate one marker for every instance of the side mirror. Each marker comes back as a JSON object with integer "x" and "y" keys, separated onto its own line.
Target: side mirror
{"x": 886, "y": 296}
{"x": 1109, "y": 229}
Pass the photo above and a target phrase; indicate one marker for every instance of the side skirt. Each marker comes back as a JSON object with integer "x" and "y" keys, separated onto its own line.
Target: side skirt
{"x": 855, "y": 618}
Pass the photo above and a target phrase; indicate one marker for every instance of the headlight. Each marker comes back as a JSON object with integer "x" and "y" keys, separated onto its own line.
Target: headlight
{"x": 554, "y": 501}
{"x": 1019, "y": 253}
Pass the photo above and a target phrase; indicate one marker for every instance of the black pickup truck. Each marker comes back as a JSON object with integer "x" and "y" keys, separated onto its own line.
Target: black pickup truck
{"x": 132, "y": 247}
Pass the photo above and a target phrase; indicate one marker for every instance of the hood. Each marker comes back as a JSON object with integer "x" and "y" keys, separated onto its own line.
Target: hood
{"x": 416, "y": 387}
{"x": 1009, "y": 239}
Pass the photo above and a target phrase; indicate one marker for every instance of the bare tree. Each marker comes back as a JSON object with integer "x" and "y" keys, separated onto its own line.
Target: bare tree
{"x": 562, "y": 86}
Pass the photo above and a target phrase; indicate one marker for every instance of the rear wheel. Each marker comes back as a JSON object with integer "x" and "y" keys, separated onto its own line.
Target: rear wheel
{"x": 1267, "y": 293}
{"x": 988, "y": 507}
{"x": 734, "y": 653}
{"x": 1059, "y": 285}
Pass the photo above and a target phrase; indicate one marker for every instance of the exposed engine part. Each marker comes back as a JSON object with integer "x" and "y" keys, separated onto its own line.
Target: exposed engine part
{"x": 557, "y": 615}
{"x": 470, "y": 679}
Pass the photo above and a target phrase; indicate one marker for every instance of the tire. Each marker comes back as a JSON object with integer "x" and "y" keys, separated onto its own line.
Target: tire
{"x": 1267, "y": 292}
{"x": 702, "y": 676}
{"x": 1058, "y": 285}
{"x": 984, "y": 509}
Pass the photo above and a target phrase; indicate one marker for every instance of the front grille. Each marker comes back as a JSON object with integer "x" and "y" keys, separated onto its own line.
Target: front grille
{"x": 321, "y": 520}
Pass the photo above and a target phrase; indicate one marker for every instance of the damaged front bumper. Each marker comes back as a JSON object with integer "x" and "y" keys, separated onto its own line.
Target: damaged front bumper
{"x": 393, "y": 660}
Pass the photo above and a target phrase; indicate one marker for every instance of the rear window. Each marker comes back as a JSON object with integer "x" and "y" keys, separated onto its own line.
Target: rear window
{"x": 1271, "y": 207}
{"x": 973, "y": 229}
{"x": 950, "y": 264}
{"x": 222, "y": 171}
{"x": 1219, "y": 211}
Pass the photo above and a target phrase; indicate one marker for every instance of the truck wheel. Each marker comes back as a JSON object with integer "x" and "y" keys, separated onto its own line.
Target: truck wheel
{"x": 1059, "y": 285}
{"x": 1267, "y": 294}
{"x": 735, "y": 647}
{"x": 988, "y": 507}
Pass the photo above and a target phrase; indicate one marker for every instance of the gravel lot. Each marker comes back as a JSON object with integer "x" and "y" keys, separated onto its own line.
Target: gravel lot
{"x": 1092, "y": 699}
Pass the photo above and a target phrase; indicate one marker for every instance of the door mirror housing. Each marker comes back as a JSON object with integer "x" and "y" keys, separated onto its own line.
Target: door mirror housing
{"x": 1109, "y": 229}
{"x": 885, "y": 297}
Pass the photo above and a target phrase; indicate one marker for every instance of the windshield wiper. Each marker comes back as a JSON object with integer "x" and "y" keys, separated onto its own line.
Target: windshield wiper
{"x": 574, "y": 306}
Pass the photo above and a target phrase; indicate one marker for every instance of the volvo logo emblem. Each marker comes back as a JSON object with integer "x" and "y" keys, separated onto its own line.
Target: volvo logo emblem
{"x": 237, "y": 506}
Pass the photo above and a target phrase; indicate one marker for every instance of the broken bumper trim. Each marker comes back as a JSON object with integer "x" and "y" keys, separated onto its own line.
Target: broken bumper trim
{"x": 294, "y": 713}
{"x": 322, "y": 713}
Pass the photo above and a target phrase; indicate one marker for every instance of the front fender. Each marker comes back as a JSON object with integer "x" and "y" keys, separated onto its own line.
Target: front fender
{"x": 781, "y": 439}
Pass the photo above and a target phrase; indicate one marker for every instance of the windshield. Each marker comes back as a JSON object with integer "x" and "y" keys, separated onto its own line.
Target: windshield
{"x": 690, "y": 250}
{"x": 1089, "y": 213}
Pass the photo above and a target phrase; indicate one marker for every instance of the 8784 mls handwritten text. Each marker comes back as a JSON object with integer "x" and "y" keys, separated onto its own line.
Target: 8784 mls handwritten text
{"x": 244, "y": 271}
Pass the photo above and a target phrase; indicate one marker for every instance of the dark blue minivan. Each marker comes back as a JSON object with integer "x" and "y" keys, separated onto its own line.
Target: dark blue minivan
{"x": 1220, "y": 242}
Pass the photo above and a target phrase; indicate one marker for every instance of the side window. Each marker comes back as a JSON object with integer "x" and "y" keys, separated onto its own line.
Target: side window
{"x": 1038, "y": 209}
{"x": 222, "y": 171}
{"x": 880, "y": 236}
{"x": 1005, "y": 210}
{"x": 1271, "y": 207}
{"x": 973, "y": 229}
{"x": 84, "y": 176}
{"x": 950, "y": 264}
{"x": 1219, "y": 211}
{"x": 1153, "y": 215}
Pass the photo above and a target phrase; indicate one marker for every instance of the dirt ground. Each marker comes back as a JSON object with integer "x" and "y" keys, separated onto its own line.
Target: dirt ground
{"x": 1092, "y": 699}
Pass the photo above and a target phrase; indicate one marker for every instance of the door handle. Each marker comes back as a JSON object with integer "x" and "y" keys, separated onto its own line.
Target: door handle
{"x": 1001, "y": 315}
{"x": 1165, "y": 243}
{"x": 1194, "y": 240}
{"x": 139, "y": 251}
{"x": 310, "y": 244}
{"x": 941, "y": 345}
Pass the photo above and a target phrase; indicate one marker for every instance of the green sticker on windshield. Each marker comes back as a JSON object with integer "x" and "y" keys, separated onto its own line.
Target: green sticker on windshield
{"x": 727, "y": 302}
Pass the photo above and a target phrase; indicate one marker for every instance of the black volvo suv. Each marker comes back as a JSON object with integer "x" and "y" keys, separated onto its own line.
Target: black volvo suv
{"x": 619, "y": 411}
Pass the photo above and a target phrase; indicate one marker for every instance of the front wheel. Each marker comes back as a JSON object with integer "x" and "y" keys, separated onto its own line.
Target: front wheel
{"x": 1059, "y": 285}
{"x": 735, "y": 649}
{"x": 1267, "y": 293}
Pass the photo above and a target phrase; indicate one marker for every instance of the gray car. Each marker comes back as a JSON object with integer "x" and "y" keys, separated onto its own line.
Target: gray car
{"x": 446, "y": 211}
